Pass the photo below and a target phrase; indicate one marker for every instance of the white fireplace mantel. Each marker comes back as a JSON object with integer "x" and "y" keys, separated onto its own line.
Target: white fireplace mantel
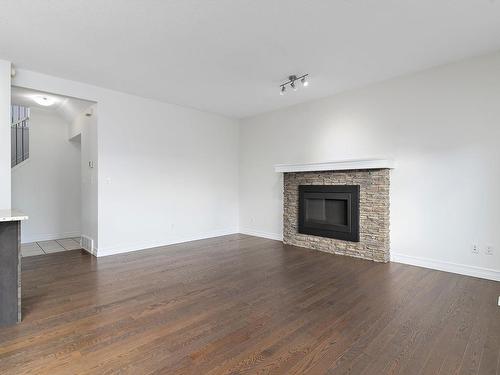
{"x": 336, "y": 165}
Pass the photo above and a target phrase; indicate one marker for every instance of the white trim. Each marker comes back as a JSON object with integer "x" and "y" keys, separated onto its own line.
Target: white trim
{"x": 462, "y": 269}
{"x": 257, "y": 233}
{"x": 49, "y": 237}
{"x": 126, "y": 248}
{"x": 336, "y": 165}
{"x": 19, "y": 165}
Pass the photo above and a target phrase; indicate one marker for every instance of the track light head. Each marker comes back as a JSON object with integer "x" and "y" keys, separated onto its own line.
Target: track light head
{"x": 292, "y": 81}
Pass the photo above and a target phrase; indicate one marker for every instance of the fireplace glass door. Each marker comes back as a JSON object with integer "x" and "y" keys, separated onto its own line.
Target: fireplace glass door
{"x": 329, "y": 211}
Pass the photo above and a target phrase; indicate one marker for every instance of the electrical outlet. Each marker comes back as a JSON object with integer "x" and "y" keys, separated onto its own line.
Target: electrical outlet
{"x": 475, "y": 249}
{"x": 489, "y": 250}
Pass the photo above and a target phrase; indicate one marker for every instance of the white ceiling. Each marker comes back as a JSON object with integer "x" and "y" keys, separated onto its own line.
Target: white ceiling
{"x": 229, "y": 56}
{"x": 65, "y": 107}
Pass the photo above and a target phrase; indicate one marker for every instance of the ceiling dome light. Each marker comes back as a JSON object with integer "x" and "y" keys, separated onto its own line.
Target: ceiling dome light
{"x": 283, "y": 90}
{"x": 304, "y": 81}
{"x": 43, "y": 100}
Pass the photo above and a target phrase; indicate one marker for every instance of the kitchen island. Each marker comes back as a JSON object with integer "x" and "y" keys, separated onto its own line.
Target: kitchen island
{"x": 10, "y": 266}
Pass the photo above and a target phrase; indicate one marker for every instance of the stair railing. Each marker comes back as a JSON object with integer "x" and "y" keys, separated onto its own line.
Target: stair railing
{"x": 20, "y": 132}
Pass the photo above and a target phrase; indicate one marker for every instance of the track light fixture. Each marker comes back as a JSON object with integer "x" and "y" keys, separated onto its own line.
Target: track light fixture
{"x": 292, "y": 82}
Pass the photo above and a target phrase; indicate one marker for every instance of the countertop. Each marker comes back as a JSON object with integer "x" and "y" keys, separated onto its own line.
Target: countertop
{"x": 12, "y": 215}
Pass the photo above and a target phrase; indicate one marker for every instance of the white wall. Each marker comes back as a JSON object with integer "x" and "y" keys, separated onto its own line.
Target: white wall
{"x": 47, "y": 185}
{"x": 169, "y": 174}
{"x": 76, "y": 125}
{"x": 5, "y": 135}
{"x": 442, "y": 126}
{"x": 86, "y": 129}
{"x": 165, "y": 173}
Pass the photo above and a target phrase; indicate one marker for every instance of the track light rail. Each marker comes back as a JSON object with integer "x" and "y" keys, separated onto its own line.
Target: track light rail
{"x": 291, "y": 81}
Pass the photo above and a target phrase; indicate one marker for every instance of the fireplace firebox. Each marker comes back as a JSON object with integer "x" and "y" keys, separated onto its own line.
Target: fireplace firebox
{"x": 329, "y": 211}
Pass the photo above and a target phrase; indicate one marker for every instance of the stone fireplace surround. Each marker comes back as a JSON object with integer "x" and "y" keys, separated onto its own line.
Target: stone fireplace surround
{"x": 373, "y": 177}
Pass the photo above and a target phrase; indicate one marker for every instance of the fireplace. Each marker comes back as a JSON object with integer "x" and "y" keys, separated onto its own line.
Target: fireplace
{"x": 329, "y": 211}
{"x": 350, "y": 213}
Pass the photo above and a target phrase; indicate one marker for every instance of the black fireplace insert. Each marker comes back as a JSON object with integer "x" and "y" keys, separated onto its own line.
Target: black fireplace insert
{"x": 329, "y": 211}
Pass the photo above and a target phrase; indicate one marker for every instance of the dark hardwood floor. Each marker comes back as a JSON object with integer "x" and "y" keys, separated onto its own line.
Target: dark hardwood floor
{"x": 245, "y": 305}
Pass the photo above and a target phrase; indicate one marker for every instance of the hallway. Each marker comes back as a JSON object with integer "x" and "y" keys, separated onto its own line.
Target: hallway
{"x": 47, "y": 247}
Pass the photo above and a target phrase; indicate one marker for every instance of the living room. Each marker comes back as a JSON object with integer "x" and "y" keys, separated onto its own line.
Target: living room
{"x": 289, "y": 187}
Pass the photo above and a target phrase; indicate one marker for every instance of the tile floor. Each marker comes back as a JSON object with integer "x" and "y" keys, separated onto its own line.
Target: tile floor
{"x": 46, "y": 247}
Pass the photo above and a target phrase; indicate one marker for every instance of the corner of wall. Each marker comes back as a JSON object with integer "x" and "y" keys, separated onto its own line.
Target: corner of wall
{"x": 5, "y": 163}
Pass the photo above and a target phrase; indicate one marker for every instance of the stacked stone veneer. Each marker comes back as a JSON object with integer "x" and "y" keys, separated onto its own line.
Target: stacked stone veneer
{"x": 374, "y": 184}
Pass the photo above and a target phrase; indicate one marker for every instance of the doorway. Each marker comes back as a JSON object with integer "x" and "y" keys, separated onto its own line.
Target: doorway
{"x": 48, "y": 174}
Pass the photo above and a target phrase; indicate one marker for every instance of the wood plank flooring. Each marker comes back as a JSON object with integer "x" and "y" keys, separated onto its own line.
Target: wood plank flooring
{"x": 245, "y": 305}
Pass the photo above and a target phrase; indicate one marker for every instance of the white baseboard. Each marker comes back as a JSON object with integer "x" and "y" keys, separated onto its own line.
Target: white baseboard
{"x": 257, "y": 233}
{"x": 48, "y": 237}
{"x": 126, "y": 248}
{"x": 462, "y": 269}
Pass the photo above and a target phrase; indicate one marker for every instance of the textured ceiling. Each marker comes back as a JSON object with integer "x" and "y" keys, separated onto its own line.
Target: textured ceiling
{"x": 67, "y": 108}
{"x": 229, "y": 56}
